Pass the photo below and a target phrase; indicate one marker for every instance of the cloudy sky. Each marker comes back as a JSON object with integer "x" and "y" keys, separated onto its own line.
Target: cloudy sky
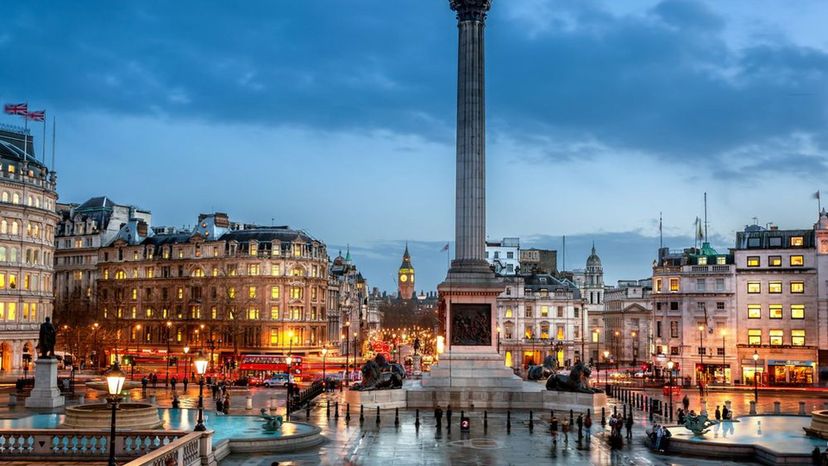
{"x": 338, "y": 117}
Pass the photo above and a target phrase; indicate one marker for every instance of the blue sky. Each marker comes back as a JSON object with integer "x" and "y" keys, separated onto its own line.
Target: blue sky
{"x": 338, "y": 117}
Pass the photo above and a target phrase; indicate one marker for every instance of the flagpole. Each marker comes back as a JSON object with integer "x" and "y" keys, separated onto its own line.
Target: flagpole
{"x": 54, "y": 125}
{"x": 44, "y": 142}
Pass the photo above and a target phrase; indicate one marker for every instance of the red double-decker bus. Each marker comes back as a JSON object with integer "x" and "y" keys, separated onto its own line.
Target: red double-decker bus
{"x": 258, "y": 367}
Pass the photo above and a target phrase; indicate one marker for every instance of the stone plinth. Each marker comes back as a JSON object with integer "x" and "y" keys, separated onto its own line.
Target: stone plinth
{"x": 479, "y": 371}
{"x": 528, "y": 395}
{"x": 45, "y": 393}
{"x": 371, "y": 399}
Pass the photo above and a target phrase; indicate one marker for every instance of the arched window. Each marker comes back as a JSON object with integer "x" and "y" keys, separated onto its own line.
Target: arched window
{"x": 4, "y": 226}
{"x": 5, "y": 196}
{"x": 15, "y": 230}
{"x": 2, "y": 254}
{"x": 120, "y": 275}
{"x": 13, "y": 254}
{"x": 298, "y": 272}
{"x": 15, "y": 198}
{"x": 30, "y": 200}
{"x": 197, "y": 272}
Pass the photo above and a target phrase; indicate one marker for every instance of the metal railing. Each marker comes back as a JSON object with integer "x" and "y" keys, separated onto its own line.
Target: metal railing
{"x": 307, "y": 395}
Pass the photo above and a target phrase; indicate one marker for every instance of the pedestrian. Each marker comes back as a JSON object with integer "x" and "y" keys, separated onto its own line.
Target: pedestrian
{"x": 685, "y": 402}
{"x": 226, "y": 404}
{"x": 154, "y": 379}
{"x": 186, "y": 382}
{"x": 580, "y": 422}
{"x": 681, "y": 416}
{"x": 448, "y": 416}
{"x": 659, "y": 434}
{"x": 565, "y": 429}
{"x": 718, "y": 414}
{"x": 173, "y": 381}
{"x": 553, "y": 428}
{"x": 215, "y": 389}
{"x": 144, "y": 382}
{"x": 219, "y": 406}
{"x": 629, "y": 425}
{"x": 438, "y": 415}
{"x": 725, "y": 413}
{"x": 588, "y": 427}
{"x": 175, "y": 403}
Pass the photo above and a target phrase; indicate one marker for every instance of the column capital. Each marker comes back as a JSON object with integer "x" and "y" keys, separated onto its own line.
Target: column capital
{"x": 471, "y": 10}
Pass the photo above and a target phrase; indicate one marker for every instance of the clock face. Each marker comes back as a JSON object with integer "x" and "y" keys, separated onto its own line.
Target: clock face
{"x": 403, "y": 278}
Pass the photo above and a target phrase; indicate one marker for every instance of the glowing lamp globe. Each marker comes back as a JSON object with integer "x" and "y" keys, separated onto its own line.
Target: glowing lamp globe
{"x": 115, "y": 380}
{"x": 201, "y": 364}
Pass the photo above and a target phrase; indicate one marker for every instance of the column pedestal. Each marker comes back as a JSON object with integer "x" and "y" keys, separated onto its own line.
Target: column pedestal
{"x": 45, "y": 393}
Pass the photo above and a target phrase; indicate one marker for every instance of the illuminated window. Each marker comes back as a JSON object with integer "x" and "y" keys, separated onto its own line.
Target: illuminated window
{"x": 797, "y": 241}
{"x": 754, "y": 336}
{"x": 797, "y": 311}
{"x": 544, "y": 330}
{"x": 776, "y": 337}
{"x": 214, "y": 272}
{"x": 149, "y": 272}
{"x": 798, "y": 337}
{"x": 251, "y": 292}
{"x": 198, "y": 272}
{"x": 149, "y": 313}
{"x": 180, "y": 293}
{"x": 296, "y": 313}
{"x": 775, "y": 311}
{"x": 253, "y": 313}
{"x": 253, "y": 269}
{"x": 774, "y": 287}
{"x": 274, "y": 312}
{"x": 658, "y": 285}
{"x": 544, "y": 311}
{"x": 797, "y": 261}
{"x": 703, "y": 260}
{"x": 274, "y": 336}
{"x": 133, "y": 312}
{"x": 213, "y": 313}
{"x": 775, "y": 261}
{"x": 120, "y": 275}
{"x": 596, "y": 336}
{"x": 313, "y": 294}
{"x": 297, "y": 272}
{"x": 560, "y": 333}
{"x": 295, "y": 292}
{"x": 721, "y": 260}
{"x": 674, "y": 284}
{"x": 11, "y": 313}
{"x": 231, "y": 292}
{"x": 754, "y": 287}
{"x": 275, "y": 270}
{"x": 254, "y": 249}
{"x": 135, "y": 293}
{"x": 797, "y": 287}
{"x": 181, "y": 253}
{"x": 166, "y": 254}
{"x": 297, "y": 250}
{"x": 508, "y": 312}
{"x": 754, "y": 311}
{"x": 275, "y": 292}
{"x": 753, "y": 261}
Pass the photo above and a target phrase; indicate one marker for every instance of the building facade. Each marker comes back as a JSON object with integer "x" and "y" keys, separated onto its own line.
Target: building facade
{"x": 504, "y": 255}
{"x": 222, "y": 287}
{"x": 27, "y": 231}
{"x": 347, "y": 306}
{"x": 534, "y": 260}
{"x": 537, "y": 316}
{"x": 81, "y": 231}
{"x": 627, "y": 320}
{"x": 694, "y": 314}
{"x": 777, "y": 296}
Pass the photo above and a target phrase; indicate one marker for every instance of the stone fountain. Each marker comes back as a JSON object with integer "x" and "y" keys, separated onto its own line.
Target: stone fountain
{"x": 819, "y": 425}
{"x": 131, "y": 416}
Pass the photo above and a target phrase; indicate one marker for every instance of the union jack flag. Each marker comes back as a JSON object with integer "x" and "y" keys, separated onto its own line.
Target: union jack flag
{"x": 16, "y": 109}
{"x": 40, "y": 115}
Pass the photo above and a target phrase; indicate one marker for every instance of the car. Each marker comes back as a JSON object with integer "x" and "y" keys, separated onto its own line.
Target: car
{"x": 278, "y": 380}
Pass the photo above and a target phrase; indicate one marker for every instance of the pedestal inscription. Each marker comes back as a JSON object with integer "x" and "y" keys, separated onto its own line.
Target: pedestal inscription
{"x": 471, "y": 324}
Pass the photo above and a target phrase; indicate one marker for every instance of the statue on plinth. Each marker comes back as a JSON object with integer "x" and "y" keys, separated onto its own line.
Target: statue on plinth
{"x": 544, "y": 371}
{"x": 576, "y": 381}
{"x": 379, "y": 374}
{"x": 46, "y": 339}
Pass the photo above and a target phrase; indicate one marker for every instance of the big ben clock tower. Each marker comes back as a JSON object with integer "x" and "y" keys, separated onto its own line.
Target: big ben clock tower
{"x": 405, "y": 276}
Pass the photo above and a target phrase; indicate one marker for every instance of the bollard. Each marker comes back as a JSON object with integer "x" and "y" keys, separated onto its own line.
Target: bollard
{"x": 417, "y": 418}
{"x": 802, "y": 408}
{"x": 81, "y": 399}
{"x": 361, "y": 414}
{"x": 571, "y": 418}
{"x": 777, "y": 409}
{"x": 307, "y": 411}
{"x": 336, "y": 410}
{"x": 752, "y": 408}
{"x": 397, "y": 417}
{"x": 614, "y": 410}
{"x": 152, "y": 399}
{"x": 347, "y": 413}
{"x": 508, "y": 422}
{"x": 651, "y": 402}
{"x": 485, "y": 421}
{"x": 328, "y": 408}
{"x": 378, "y": 416}
{"x": 248, "y": 405}
{"x": 531, "y": 422}
{"x": 603, "y": 417}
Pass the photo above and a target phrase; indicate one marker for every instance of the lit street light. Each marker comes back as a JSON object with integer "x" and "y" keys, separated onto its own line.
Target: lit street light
{"x": 115, "y": 383}
{"x": 606, "y": 372}
{"x": 755, "y": 375}
{"x": 670, "y": 365}
{"x": 201, "y": 368}
{"x": 324, "y": 378}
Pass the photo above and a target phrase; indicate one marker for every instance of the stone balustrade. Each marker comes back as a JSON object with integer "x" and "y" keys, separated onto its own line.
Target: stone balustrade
{"x": 185, "y": 451}
{"x": 43, "y": 445}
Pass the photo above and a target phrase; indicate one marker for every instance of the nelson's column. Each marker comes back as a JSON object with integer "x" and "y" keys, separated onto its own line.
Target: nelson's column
{"x": 469, "y": 293}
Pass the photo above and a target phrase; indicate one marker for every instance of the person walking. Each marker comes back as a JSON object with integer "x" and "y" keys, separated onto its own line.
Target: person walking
{"x": 686, "y": 403}
{"x": 588, "y": 427}
{"x": 718, "y": 414}
{"x": 144, "y": 383}
{"x": 173, "y": 381}
{"x": 580, "y": 423}
{"x": 629, "y": 424}
{"x": 565, "y": 429}
{"x": 154, "y": 380}
{"x": 553, "y": 429}
{"x": 226, "y": 404}
{"x": 219, "y": 406}
{"x": 215, "y": 389}
{"x": 725, "y": 413}
{"x": 186, "y": 382}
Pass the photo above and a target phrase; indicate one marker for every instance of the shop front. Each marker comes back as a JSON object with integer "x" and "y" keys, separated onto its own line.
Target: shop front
{"x": 791, "y": 372}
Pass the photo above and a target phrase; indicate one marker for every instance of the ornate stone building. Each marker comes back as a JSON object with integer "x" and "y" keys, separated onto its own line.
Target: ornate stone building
{"x": 347, "y": 306}
{"x": 223, "y": 287}
{"x": 27, "y": 230}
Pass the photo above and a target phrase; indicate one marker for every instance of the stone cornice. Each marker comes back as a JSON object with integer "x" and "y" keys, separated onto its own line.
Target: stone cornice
{"x": 471, "y": 10}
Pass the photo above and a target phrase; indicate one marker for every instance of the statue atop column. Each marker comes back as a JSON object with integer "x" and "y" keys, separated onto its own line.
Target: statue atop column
{"x": 46, "y": 339}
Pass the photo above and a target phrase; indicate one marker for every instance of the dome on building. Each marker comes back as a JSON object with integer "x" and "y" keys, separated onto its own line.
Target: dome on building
{"x": 593, "y": 260}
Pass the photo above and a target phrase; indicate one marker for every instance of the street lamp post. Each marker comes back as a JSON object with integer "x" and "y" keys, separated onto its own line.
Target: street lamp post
{"x": 724, "y": 373}
{"x": 324, "y": 376}
{"x": 115, "y": 383}
{"x": 755, "y": 375}
{"x": 634, "y": 347}
{"x": 598, "y": 362}
{"x": 701, "y": 361}
{"x": 498, "y": 339}
{"x": 201, "y": 368}
{"x": 617, "y": 349}
{"x": 186, "y": 360}
{"x": 670, "y": 365}
{"x": 606, "y": 372}
{"x": 289, "y": 395}
{"x": 169, "y": 327}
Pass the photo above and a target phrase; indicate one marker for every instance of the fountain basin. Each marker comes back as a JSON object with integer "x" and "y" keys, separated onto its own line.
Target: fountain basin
{"x": 131, "y": 416}
{"x": 819, "y": 425}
